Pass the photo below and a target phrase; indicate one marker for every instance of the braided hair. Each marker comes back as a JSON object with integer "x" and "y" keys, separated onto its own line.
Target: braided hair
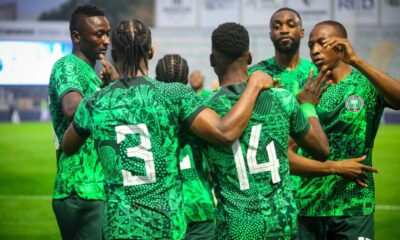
{"x": 132, "y": 39}
{"x": 172, "y": 68}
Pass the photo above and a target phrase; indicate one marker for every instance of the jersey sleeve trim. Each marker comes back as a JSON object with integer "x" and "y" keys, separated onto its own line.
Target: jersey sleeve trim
{"x": 301, "y": 134}
{"x": 68, "y": 90}
{"x": 80, "y": 131}
{"x": 188, "y": 121}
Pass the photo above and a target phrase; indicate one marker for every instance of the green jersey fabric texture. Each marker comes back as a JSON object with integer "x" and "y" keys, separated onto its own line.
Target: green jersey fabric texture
{"x": 252, "y": 182}
{"x": 293, "y": 80}
{"x": 135, "y": 124}
{"x": 197, "y": 197}
{"x": 82, "y": 172}
{"x": 350, "y": 113}
{"x": 205, "y": 93}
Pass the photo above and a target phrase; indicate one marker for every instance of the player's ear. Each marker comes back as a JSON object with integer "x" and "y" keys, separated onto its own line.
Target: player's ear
{"x": 75, "y": 37}
{"x": 302, "y": 33}
{"x": 249, "y": 58}
{"x": 212, "y": 60}
{"x": 151, "y": 53}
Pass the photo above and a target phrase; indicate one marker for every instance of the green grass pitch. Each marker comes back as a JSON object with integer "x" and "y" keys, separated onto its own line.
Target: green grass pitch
{"x": 28, "y": 166}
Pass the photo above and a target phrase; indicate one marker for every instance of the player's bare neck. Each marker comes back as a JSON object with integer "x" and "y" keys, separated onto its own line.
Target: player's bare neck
{"x": 82, "y": 56}
{"x": 340, "y": 72}
{"x": 288, "y": 61}
{"x": 143, "y": 71}
{"x": 234, "y": 74}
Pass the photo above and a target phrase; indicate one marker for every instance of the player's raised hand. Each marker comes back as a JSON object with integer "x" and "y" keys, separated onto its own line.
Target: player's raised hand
{"x": 313, "y": 89}
{"x": 263, "y": 80}
{"x": 342, "y": 47}
{"x": 352, "y": 169}
{"x": 108, "y": 73}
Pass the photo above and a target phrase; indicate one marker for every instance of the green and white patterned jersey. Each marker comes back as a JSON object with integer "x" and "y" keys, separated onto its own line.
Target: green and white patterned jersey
{"x": 252, "y": 181}
{"x": 292, "y": 80}
{"x": 197, "y": 197}
{"x": 135, "y": 124}
{"x": 349, "y": 112}
{"x": 80, "y": 172}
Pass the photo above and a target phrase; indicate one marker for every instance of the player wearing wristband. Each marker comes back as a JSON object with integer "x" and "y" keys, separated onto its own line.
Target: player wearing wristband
{"x": 252, "y": 182}
{"x": 286, "y": 32}
{"x": 332, "y": 207}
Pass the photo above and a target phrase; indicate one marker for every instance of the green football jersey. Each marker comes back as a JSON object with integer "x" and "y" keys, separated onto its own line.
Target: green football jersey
{"x": 81, "y": 172}
{"x": 197, "y": 197}
{"x": 292, "y": 80}
{"x": 252, "y": 181}
{"x": 135, "y": 124}
{"x": 205, "y": 93}
{"x": 350, "y": 113}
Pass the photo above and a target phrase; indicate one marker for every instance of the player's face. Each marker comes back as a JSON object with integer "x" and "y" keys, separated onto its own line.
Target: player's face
{"x": 286, "y": 31}
{"x": 320, "y": 55}
{"x": 196, "y": 80}
{"x": 93, "y": 37}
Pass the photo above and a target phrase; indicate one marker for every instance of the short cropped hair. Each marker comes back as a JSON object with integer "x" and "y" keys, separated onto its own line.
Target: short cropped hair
{"x": 230, "y": 39}
{"x": 287, "y": 9}
{"x": 340, "y": 29}
{"x": 83, "y": 12}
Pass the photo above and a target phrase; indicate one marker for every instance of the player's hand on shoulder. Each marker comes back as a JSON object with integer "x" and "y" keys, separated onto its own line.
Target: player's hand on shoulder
{"x": 342, "y": 47}
{"x": 314, "y": 88}
{"x": 108, "y": 72}
{"x": 263, "y": 80}
{"x": 353, "y": 170}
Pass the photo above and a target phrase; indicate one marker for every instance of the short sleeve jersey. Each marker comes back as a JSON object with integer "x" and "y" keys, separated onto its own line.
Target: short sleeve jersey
{"x": 197, "y": 197}
{"x": 135, "y": 124}
{"x": 252, "y": 182}
{"x": 292, "y": 80}
{"x": 82, "y": 172}
{"x": 350, "y": 113}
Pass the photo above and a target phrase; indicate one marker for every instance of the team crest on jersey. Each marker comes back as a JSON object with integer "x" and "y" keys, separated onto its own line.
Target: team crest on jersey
{"x": 354, "y": 103}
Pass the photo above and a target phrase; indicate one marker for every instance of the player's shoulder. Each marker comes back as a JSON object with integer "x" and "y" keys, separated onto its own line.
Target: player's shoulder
{"x": 69, "y": 60}
{"x": 174, "y": 90}
{"x": 280, "y": 92}
{"x": 279, "y": 95}
{"x": 263, "y": 65}
{"x": 306, "y": 65}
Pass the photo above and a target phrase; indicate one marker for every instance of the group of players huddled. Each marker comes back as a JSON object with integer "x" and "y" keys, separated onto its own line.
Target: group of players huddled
{"x": 139, "y": 158}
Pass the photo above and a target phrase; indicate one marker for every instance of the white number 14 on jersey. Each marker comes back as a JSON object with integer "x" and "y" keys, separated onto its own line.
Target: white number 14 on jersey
{"x": 254, "y": 167}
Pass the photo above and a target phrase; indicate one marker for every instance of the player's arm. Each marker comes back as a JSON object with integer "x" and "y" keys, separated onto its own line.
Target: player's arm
{"x": 72, "y": 141}
{"x": 224, "y": 131}
{"x": 388, "y": 86}
{"x": 351, "y": 169}
{"x": 69, "y": 104}
{"x": 78, "y": 130}
{"x": 314, "y": 141}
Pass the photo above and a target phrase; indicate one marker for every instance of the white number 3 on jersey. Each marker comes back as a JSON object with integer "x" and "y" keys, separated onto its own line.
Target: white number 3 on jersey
{"x": 254, "y": 167}
{"x": 141, "y": 151}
